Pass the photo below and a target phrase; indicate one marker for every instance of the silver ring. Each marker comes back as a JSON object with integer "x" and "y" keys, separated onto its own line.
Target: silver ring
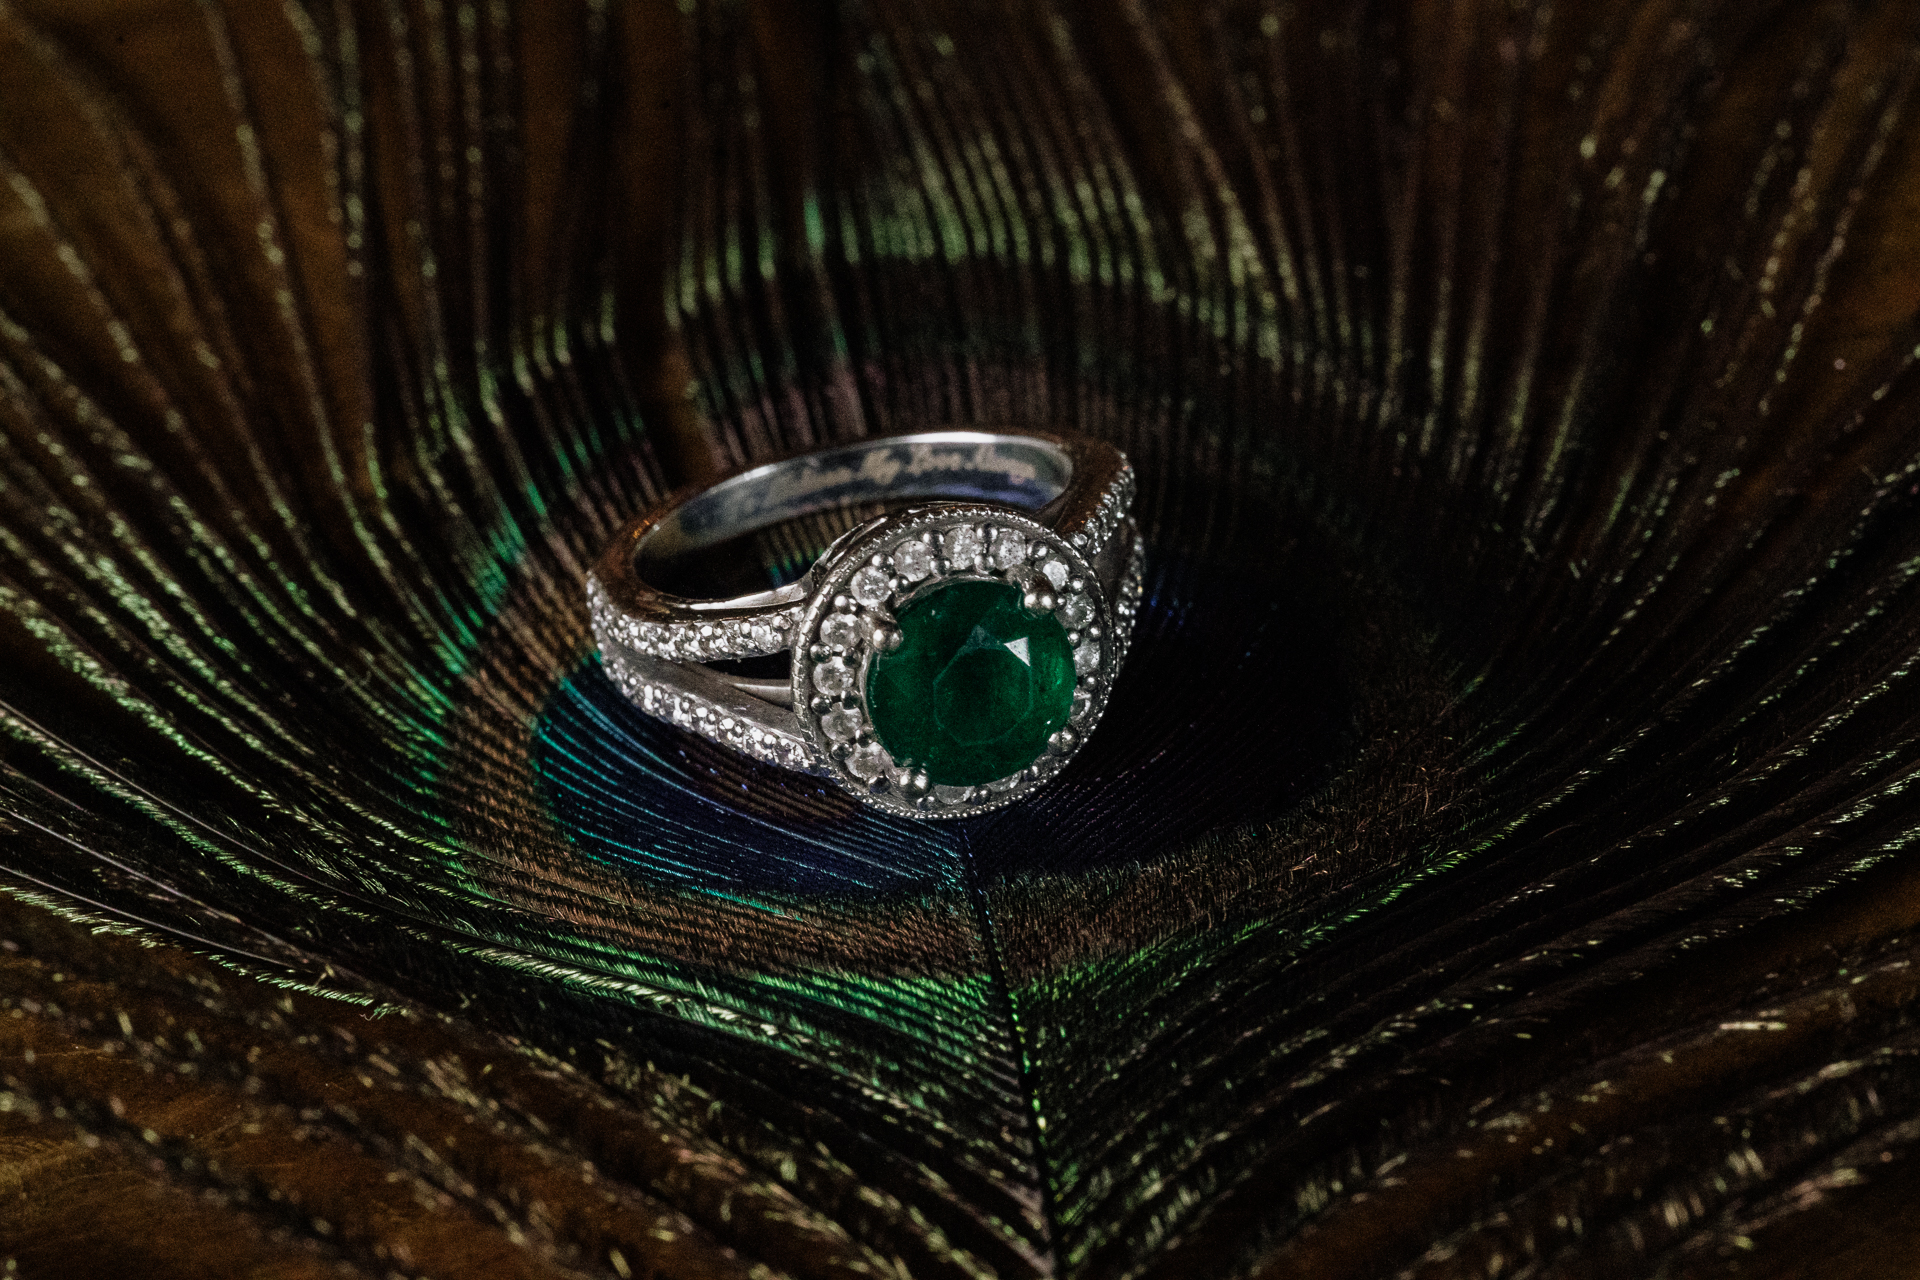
{"x": 950, "y": 651}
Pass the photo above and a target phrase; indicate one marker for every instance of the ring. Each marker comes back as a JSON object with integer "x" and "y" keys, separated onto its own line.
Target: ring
{"x": 950, "y": 650}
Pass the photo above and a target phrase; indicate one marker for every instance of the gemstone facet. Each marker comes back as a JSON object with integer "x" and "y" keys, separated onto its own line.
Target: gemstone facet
{"x": 977, "y": 686}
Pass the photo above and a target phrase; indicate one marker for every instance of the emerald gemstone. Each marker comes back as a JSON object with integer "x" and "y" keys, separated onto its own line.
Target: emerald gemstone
{"x": 976, "y": 687}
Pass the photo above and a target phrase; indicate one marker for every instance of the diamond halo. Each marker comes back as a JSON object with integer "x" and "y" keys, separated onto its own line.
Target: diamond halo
{"x": 852, "y": 618}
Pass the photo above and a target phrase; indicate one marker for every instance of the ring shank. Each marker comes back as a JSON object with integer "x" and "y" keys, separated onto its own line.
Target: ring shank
{"x": 1026, "y": 472}
{"x": 1079, "y": 487}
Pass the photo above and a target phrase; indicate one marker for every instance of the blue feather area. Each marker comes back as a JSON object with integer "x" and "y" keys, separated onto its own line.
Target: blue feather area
{"x": 668, "y": 806}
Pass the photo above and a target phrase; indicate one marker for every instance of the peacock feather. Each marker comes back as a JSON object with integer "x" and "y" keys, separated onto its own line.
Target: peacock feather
{"x": 1494, "y": 861}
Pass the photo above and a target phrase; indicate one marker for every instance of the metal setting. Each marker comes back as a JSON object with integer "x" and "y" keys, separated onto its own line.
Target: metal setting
{"x": 1059, "y": 531}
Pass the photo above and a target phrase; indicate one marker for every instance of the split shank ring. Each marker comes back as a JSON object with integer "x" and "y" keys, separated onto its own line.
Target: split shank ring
{"x": 949, "y": 652}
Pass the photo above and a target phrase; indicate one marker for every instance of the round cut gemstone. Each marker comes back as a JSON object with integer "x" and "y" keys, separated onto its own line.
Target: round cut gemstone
{"x": 870, "y": 586}
{"x": 833, "y": 678}
{"x": 913, "y": 560}
{"x": 976, "y": 687}
{"x": 842, "y": 631}
{"x": 867, "y": 763}
{"x": 841, "y": 725}
{"x": 1008, "y": 548}
{"x": 963, "y": 546}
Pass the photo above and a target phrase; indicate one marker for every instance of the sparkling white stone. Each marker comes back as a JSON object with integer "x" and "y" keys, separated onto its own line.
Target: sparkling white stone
{"x": 871, "y": 586}
{"x": 868, "y": 762}
{"x": 842, "y": 631}
{"x": 842, "y": 725}
{"x": 833, "y": 677}
{"x": 1009, "y": 548}
{"x": 1076, "y": 611}
{"x": 962, "y": 546}
{"x": 913, "y": 560}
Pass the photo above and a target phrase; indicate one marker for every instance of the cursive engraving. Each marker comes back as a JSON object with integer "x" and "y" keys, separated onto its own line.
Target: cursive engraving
{"x": 917, "y": 469}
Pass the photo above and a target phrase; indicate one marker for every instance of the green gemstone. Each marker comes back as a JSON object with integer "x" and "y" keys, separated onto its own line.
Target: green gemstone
{"x": 976, "y": 687}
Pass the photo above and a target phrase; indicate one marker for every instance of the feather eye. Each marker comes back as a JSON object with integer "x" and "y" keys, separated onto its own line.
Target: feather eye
{"x": 1494, "y": 856}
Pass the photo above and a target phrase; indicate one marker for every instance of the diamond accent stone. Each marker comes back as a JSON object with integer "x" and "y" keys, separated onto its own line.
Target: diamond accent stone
{"x": 1086, "y": 658}
{"x": 963, "y": 546}
{"x": 868, "y": 762}
{"x": 870, "y": 586}
{"x": 842, "y": 725}
{"x": 762, "y": 636}
{"x": 1082, "y": 704}
{"x": 1009, "y": 548}
{"x": 1056, "y": 572}
{"x": 952, "y": 795}
{"x": 1076, "y": 611}
{"x": 913, "y": 560}
{"x": 833, "y": 678}
{"x": 841, "y": 631}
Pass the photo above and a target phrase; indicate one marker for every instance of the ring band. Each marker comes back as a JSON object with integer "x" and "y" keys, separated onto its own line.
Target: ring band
{"x": 951, "y": 651}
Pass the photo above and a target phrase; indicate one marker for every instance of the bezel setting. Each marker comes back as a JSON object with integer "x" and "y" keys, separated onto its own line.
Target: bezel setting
{"x": 851, "y": 618}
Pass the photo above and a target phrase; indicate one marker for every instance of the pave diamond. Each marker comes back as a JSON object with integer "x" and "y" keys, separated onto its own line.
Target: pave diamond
{"x": 1009, "y": 548}
{"x": 842, "y": 631}
{"x": 1056, "y": 572}
{"x": 833, "y": 678}
{"x": 963, "y": 546}
{"x": 913, "y": 560}
{"x": 870, "y": 586}
{"x": 842, "y": 725}
{"x": 868, "y": 762}
{"x": 1086, "y": 658}
{"x": 976, "y": 687}
{"x": 1076, "y": 611}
